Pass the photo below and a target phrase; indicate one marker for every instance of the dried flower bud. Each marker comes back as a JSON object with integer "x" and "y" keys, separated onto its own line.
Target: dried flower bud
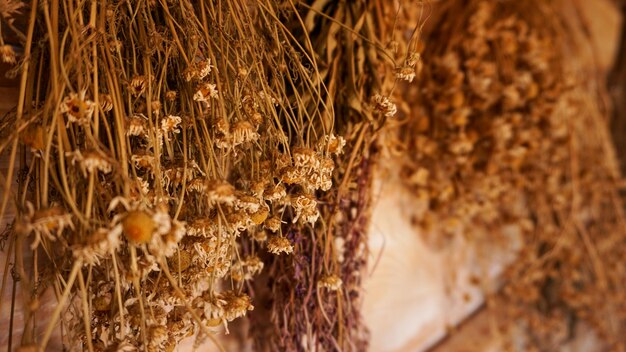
{"x": 242, "y": 72}
{"x": 236, "y": 305}
{"x": 7, "y": 54}
{"x": 156, "y": 106}
{"x": 279, "y": 244}
{"x": 243, "y": 132}
{"x": 406, "y": 73}
{"x": 203, "y": 68}
{"x": 205, "y": 92}
{"x": 170, "y": 123}
{"x": 138, "y": 85}
{"x": 331, "y": 144}
{"x": 254, "y": 265}
{"x": 383, "y": 105}
{"x": 273, "y": 224}
{"x": 171, "y": 95}
{"x": 331, "y": 282}
{"x": 260, "y": 236}
{"x": 138, "y": 226}
{"x": 106, "y": 102}
{"x": 180, "y": 261}
{"x": 136, "y": 125}
{"x": 93, "y": 161}
{"x": 305, "y": 158}
{"x": 77, "y": 108}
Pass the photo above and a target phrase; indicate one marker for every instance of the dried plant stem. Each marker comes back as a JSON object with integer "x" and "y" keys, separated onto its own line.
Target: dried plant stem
{"x": 61, "y": 304}
{"x": 86, "y": 315}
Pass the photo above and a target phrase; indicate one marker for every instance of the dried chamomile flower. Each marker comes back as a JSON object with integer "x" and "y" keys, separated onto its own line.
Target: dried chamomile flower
{"x": 171, "y": 95}
{"x": 220, "y": 192}
{"x": 305, "y": 207}
{"x": 282, "y": 161}
{"x": 321, "y": 177}
{"x": 248, "y": 203}
{"x": 157, "y": 338}
{"x": 138, "y": 85}
{"x": 331, "y": 282}
{"x": 198, "y": 185}
{"x": 268, "y": 98}
{"x": 115, "y": 45}
{"x": 236, "y": 305}
{"x": 138, "y": 226}
{"x": 213, "y": 309}
{"x": 7, "y": 54}
{"x": 243, "y": 132}
{"x": 99, "y": 245}
{"x": 198, "y": 70}
{"x": 90, "y": 161}
{"x": 205, "y": 92}
{"x": 170, "y": 124}
{"x": 180, "y": 261}
{"x": 258, "y": 187}
{"x": 238, "y": 221}
{"x": 383, "y": 105}
{"x": 137, "y": 125}
{"x": 246, "y": 269}
{"x": 94, "y": 161}
{"x": 203, "y": 68}
{"x": 260, "y": 235}
{"x": 177, "y": 173}
{"x": 275, "y": 193}
{"x": 156, "y": 106}
{"x": 242, "y": 72}
{"x": 273, "y": 224}
{"x": 106, "y": 102}
{"x": 406, "y": 73}
{"x": 279, "y": 244}
{"x": 47, "y": 222}
{"x": 78, "y": 109}
{"x": 143, "y": 159}
{"x": 168, "y": 233}
{"x": 292, "y": 175}
{"x": 253, "y": 264}
{"x": 305, "y": 158}
{"x": 331, "y": 144}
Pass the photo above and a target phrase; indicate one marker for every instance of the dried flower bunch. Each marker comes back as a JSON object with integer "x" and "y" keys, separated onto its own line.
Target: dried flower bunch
{"x": 503, "y": 140}
{"x": 167, "y": 153}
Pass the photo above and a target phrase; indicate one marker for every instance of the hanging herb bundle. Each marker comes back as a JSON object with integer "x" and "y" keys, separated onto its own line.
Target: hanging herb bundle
{"x": 314, "y": 296}
{"x": 510, "y": 144}
{"x": 167, "y": 153}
